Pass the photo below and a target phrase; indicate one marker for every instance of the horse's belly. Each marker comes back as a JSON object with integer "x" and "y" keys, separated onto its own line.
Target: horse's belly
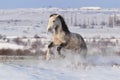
{"x": 73, "y": 45}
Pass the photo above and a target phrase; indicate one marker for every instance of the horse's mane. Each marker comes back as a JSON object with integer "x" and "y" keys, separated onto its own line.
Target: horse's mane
{"x": 64, "y": 26}
{"x": 53, "y": 15}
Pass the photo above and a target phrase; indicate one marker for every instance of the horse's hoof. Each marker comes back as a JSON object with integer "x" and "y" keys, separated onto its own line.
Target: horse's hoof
{"x": 47, "y": 59}
{"x": 58, "y": 48}
{"x": 62, "y": 56}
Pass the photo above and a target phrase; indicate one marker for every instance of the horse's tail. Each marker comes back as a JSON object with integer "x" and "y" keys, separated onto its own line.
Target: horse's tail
{"x": 83, "y": 50}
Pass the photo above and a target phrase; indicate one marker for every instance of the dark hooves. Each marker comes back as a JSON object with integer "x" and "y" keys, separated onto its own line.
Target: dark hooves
{"x": 62, "y": 56}
{"x": 58, "y": 48}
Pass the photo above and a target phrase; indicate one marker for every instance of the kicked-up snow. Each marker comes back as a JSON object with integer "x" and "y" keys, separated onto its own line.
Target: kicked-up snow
{"x": 72, "y": 67}
{"x": 52, "y": 70}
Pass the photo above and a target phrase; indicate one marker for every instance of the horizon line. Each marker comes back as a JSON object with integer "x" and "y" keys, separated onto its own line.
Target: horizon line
{"x": 62, "y": 7}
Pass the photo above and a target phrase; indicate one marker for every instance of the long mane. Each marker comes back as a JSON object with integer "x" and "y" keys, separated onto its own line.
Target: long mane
{"x": 64, "y": 26}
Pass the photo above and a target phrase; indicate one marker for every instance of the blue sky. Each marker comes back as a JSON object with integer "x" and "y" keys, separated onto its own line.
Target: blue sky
{"x": 12, "y": 4}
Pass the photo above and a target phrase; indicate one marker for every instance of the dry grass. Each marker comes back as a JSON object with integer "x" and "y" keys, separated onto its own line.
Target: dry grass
{"x": 17, "y": 52}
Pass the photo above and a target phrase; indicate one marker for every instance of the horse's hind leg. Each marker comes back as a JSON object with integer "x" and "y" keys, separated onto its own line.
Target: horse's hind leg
{"x": 48, "y": 54}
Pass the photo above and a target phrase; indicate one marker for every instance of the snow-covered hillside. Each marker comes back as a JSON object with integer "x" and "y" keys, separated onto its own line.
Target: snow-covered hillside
{"x": 24, "y": 40}
{"x": 34, "y": 21}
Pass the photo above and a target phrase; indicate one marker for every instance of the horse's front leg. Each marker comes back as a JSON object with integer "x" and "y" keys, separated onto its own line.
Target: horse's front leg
{"x": 48, "y": 54}
{"x": 60, "y": 47}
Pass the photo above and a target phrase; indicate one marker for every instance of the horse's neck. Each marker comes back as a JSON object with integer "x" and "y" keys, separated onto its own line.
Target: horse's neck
{"x": 58, "y": 30}
{"x": 59, "y": 33}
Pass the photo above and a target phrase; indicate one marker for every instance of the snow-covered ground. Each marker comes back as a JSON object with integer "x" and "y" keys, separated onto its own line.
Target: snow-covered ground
{"x": 10, "y": 46}
{"x": 103, "y": 41}
{"x": 56, "y": 70}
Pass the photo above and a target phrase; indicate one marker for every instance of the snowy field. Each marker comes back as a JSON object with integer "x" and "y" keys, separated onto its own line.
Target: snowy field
{"x": 44, "y": 71}
{"x": 24, "y": 38}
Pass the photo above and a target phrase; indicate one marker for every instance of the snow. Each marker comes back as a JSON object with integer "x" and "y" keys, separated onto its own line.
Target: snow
{"x": 29, "y": 22}
{"x": 10, "y": 46}
{"x": 90, "y": 8}
{"x": 38, "y": 72}
{"x": 95, "y": 67}
{"x": 103, "y": 33}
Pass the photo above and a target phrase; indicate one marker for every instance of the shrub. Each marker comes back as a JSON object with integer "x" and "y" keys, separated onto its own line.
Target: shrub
{"x": 26, "y": 52}
{"x": 18, "y": 52}
{"x": 7, "y": 52}
{"x": 37, "y": 44}
{"x": 19, "y": 41}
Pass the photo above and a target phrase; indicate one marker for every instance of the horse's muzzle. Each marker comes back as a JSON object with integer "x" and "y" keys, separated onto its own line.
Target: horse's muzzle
{"x": 49, "y": 30}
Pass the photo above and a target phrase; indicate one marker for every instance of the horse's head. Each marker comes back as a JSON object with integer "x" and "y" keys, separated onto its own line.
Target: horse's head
{"x": 53, "y": 22}
{"x": 57, "y": 22}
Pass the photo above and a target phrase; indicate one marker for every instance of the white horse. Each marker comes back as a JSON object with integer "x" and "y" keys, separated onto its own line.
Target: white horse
{"x": 63, "y": 38}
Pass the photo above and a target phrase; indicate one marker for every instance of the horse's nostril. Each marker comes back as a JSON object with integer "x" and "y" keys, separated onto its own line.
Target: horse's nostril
{"x": 49, "y": 29}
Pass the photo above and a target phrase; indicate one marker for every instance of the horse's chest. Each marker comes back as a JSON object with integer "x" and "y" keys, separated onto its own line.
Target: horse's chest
{"x": 58, "y": 39}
